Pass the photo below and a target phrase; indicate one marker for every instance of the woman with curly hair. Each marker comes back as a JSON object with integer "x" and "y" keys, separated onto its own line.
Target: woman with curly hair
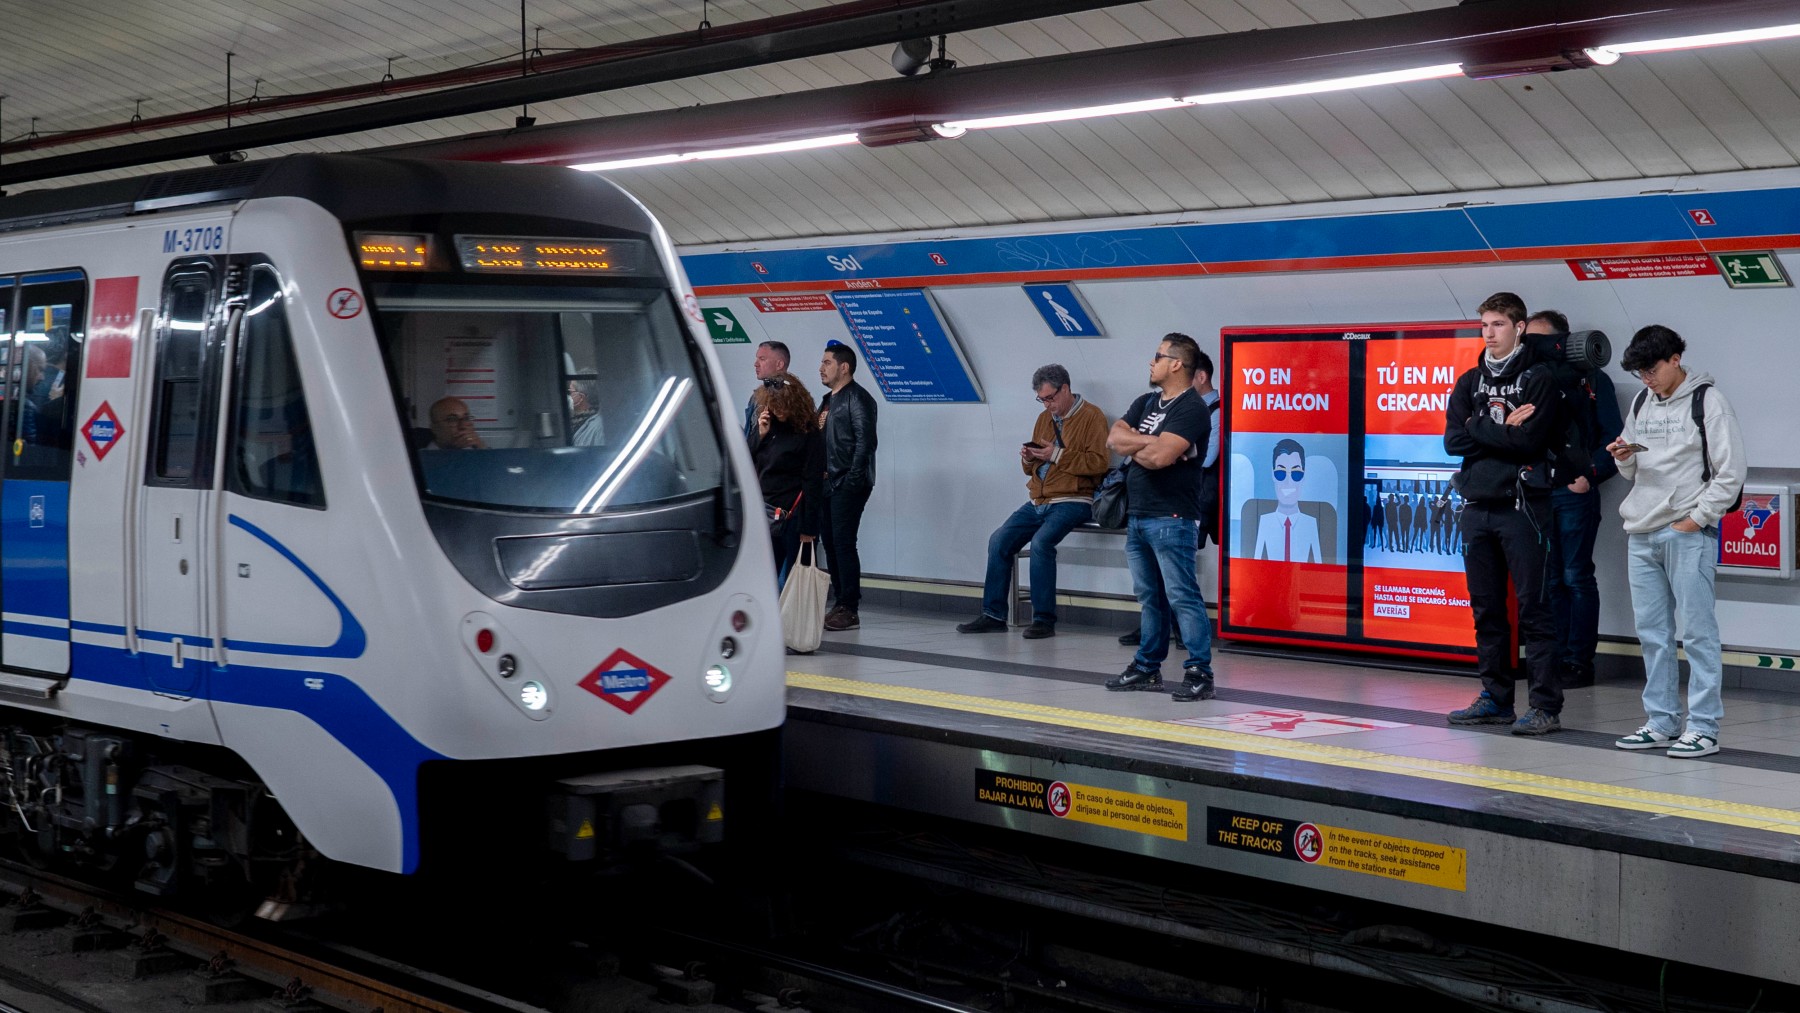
{"x": 789, "y": 450}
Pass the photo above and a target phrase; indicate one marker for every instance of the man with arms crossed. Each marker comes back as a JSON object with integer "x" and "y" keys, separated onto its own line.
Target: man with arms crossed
{"x": 1164, "y": 433}
{"x": 1063, "y": 461}
{"x": 1494, "y": 424}
{"x": 1684, "y": 478}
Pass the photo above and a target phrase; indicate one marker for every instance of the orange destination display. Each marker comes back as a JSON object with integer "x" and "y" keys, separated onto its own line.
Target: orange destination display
{"x": 1341, "y": 521}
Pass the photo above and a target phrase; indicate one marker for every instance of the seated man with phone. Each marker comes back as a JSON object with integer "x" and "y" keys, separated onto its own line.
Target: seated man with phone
{"x": 1063, "y": 461}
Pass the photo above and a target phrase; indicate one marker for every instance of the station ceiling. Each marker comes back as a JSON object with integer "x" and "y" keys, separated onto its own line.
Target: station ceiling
{"x": 86, "y": 64}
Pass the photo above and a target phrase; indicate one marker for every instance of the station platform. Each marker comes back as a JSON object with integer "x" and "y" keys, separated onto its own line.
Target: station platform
{"x": 1326, "y": 775}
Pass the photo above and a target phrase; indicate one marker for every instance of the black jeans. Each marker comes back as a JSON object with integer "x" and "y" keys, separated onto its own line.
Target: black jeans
{"x": 1574, "y": 593}
{"x": 843, "y": 519}
{"x": 1499, "y": 541}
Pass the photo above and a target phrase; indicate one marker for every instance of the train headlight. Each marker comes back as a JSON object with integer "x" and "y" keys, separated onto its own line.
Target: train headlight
{"x": 533, "y": 696}
{"x": 718, "y": 682}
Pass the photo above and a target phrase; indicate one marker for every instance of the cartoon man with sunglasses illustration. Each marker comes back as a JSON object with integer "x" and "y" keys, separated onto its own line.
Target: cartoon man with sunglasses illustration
{"x": 1285, "y": 533}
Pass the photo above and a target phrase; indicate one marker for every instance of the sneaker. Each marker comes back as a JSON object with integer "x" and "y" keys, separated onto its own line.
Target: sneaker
{"x": 1193, "y": 687}
{"x": 841, "y": 620}
{"x": 1646, "y": 737}
{"x": 1537, "y": 722}
{"x": 1483, "y": 711}
{"x": 982, "y": 623}
{"x": 1038, "y": 631}
{"x": 1131, "y": 639}
{"x": 1693, "y": 744}
{"x": 1136, "y": 678}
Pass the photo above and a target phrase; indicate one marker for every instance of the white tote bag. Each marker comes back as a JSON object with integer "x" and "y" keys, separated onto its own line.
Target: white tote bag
{"x": 803, "y": 602}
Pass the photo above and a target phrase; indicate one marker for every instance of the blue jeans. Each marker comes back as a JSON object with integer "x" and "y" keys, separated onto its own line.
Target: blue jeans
{"x": 1161, "y": 552}
{"x": 1574, "y": 594}
{"x": 1044, "y": 527}
{"x": 1672, "y": 581}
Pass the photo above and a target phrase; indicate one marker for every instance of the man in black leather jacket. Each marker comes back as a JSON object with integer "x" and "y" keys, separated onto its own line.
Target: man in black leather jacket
{"x": 848, "y": 412}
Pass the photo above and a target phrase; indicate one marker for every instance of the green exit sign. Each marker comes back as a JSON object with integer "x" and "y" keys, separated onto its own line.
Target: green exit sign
{"x": 723, "y": 325}
{"x": 1752, "y": 270}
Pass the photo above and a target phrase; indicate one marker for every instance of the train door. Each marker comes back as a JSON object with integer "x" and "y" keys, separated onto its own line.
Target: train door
{"x": 173, "y": 553}
{"x": 45, "y": 322}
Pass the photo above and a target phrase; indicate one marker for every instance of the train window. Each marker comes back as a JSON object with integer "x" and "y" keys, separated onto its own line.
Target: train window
{"x": 45, "y": 360}
{"x": 580, "y": 400}
{"x": 179, "y": 443}
{"x": 272, "y": 451}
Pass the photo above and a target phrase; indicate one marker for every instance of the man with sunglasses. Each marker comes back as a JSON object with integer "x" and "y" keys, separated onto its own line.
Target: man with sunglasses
{"x": 1164, "y": 434}
{"x": 1062, "y": 462}
{"x": 1286, "y": 533}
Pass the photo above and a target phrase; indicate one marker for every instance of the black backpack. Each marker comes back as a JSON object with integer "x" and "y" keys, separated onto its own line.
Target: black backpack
{"x": 1697, "y": 406}
{"x": 1577, "y": 427}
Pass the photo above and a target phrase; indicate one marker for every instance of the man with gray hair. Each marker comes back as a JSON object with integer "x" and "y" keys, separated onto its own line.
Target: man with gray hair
{"x": 1062, "y": 461}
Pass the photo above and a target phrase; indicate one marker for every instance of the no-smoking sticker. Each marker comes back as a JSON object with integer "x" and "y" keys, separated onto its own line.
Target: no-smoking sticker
{"x": 344, "y": 303}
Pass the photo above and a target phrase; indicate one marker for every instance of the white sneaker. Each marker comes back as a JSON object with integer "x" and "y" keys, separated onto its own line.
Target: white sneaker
{"x": 1646, "y": 737}
{"x": 1694, "y": 744}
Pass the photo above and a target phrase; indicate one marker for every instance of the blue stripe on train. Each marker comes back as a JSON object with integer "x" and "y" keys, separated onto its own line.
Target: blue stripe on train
{"x": 337, "y": 705}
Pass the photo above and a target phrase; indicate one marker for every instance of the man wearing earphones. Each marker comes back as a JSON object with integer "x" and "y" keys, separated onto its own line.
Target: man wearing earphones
{"x": 1494, "y": 423}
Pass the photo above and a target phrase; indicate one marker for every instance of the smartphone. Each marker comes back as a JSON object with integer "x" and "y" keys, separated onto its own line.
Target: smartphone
{"x": 1636, "y": 448}
{"x": 1035, "y": 446}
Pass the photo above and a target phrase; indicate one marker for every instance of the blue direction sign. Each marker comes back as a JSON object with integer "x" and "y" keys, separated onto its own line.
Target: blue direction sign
{"x": 1064, "y": 311}
{"x": 908, "y": 348}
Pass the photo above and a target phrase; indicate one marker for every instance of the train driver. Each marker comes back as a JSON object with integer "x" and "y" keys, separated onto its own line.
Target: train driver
{"x": 452, "y": 427}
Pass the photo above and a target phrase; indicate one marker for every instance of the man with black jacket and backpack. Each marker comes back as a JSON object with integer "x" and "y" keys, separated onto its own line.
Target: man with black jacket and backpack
{"x": 1502, "y": 420}
{"x": 1575, "y": 519}
{"x": 1684, "y": 454}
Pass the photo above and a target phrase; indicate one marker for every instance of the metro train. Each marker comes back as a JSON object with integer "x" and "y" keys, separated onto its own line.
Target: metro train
{"x": 368, "y": 508}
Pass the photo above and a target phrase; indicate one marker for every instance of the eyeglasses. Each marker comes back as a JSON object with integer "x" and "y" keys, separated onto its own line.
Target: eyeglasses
{"x": 1051, "y": 396}
{"x": 456, "y": 420}
{"x": 1161, "y": 355}
{"x": 1649, "y": 372}
{"x": 1281, "y": 474}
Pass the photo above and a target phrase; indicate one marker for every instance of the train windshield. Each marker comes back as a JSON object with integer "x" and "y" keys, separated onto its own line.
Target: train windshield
{"x": 548, "y": 399}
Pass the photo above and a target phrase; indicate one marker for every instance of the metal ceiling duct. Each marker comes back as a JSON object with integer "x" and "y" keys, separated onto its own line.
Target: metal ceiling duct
{"x": 1492, "y": 34}
{"x": 872, "y": 23}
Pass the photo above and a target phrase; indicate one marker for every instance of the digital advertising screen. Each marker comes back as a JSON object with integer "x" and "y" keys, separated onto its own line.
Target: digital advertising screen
{"x": 1342, "y": 524}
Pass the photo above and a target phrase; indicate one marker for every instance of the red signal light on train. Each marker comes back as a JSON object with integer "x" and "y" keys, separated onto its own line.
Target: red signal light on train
{"x": 484, "y": 640}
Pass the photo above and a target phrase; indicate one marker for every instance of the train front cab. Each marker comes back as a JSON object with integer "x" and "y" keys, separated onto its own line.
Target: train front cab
{"x": 233, "y": 535}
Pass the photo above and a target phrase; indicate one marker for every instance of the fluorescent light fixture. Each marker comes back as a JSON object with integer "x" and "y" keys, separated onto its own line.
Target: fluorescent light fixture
{"x": 804, "y": 144}
{"x": 1601, "y": 57}
{"x": 955, "y": 127}
{"x": 1700, "y": 41}
{"x": 1331, "y": 84}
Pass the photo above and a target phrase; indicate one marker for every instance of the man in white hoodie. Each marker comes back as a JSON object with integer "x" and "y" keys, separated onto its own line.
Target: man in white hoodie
{"x": 1685, "y": 477}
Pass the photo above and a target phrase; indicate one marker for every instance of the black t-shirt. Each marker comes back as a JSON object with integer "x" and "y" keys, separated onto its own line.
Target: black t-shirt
{"x": 1171, "y": 491}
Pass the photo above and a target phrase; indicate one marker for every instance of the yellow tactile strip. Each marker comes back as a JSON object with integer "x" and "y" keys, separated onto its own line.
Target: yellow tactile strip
{"x": 1537, "y": 785}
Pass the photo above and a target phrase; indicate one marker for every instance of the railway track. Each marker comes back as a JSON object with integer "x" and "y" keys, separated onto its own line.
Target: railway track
{"x": 222, "y": 964}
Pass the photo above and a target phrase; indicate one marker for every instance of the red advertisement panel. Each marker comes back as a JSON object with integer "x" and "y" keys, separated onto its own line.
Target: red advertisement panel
{"x": 1290, "y": 387}
{"x": 1409, "y": 381}
{"x": 1417, "y": 606}
{"x": 1751, "y": 534}
{"x": 1342, "y": 523}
